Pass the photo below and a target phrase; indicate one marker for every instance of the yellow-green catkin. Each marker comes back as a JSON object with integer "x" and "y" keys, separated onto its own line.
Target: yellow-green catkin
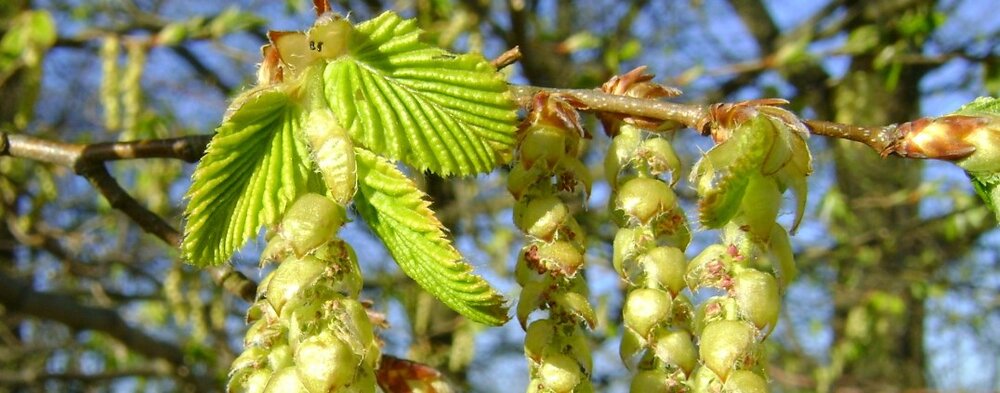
{"x": 131, "y": 88}
{"x": 546, "y": 172}
{"x": 308, "y": 331}
{"x": 750, "y": 267}
{"x": 657, "y": 342}
{"x": 111, "y": 82}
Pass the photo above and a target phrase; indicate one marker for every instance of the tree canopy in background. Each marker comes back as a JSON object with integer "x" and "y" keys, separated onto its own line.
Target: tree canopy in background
{"x": 898, "y": 258}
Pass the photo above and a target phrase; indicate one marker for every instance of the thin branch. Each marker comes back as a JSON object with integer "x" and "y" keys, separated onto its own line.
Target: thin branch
{"x": 593, "y": 100}
{"x": 507, "y": 58}
{"x": 189, "y": 149}
{"x": 102, "y": 180}
{"x": 211, "y": 77}
{"x": 89, "y": 162}
{"x": 882, "y": 139}
{"x": 19, "y": 296}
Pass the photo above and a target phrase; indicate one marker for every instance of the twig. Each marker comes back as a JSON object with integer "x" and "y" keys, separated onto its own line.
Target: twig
{"x": 102, "y": 180}
{"x": 18, "y": 296}
{"x": 507, "y": 58}
{"x": 189, "y": 149}
{"x": 89, "y": 162}
{"x": 882, "y": 139}
{"x": 593, "y": 100}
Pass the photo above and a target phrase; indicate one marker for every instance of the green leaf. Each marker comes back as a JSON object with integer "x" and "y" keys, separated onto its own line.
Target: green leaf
{"x": 397, "y": 212}
{"x": 986, "y": 187}
{"x": 409, "y": 101}
{"x": 986, "y": 183}
{"x": 980, "y": 106}
{"x": 254, "y": 168}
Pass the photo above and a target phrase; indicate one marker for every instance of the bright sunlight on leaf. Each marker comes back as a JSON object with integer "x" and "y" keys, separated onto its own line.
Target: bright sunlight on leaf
{"x": 419, "y": 104}
{"x": 396, "y": 210}
{"x": 254, "y": 168}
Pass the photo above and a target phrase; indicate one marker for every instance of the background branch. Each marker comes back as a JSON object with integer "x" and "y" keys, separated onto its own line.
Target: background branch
{"x": 88, "y": 161}
{"x": 18, "y": 296}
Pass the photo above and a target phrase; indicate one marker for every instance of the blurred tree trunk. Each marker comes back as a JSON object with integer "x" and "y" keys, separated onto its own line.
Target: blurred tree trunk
{"x": 878, "y": 316}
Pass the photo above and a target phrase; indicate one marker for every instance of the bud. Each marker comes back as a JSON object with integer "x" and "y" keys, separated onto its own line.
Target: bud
{"x": 523, "y": 273}
{"x": 306, "y": 318}
{"x": 325, "y": 363}
{"x": 262, "y": 333}
{"x": 329, "y": 37}
{"x": 541, "y": 217}
{"x": 683, "y": 313}
{"x": 664, "y": 267}
{"x": 650, "y": 381}
{"x": 704, "y": 380}
{"x": 574, "y": 304}
{"x": 349, "y": 279}
{"x": 969, "y": 141}
{"x": 675, "y": 347}
{"x": 636, "y": 83}
{"x": 520, "y": 179}
{"x": 715, "y": 308}
{"x": 572, "y": 174}
{"x": 560, "y": 257}
{"x": 533, "y": 295}
{"x": 757, "y": 297}
{"x": 543, "y": 145}
{"x": 356, "y": 329}
{"x": 291, "y": 276}
{"x": 621, "y": 152}
{"x": 572, "y": 232}
{"x": 311, "y": 221}
{"x": 631, "y": 344}
{"x": 251, "y": 358}
{"x": 643, "y": 199}
{"x": 646, "y": 308}
{"x": 661, "y": 158}
{"x": 248, "y": 381}
{"x": 725, "y": 345}
{"x": 710, "y": 268}
{"x": 671, "y": 228}
{"x": 628, "y": 244}
{"x": 560, "y": 373}
{"x": 284, "y": 380}
{"x": 280, "y": 356}
{"x": 538, "y": 337}
{"x": 745, "y": 381}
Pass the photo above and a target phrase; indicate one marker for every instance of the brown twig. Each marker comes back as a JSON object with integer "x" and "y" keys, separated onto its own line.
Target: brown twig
{"x": 89, "y": 161}
{"x": 593, "y": 100}
{"x": 507, "y": 58}
{"x": 882, "y": 139}
{"x": 189, "y": 149}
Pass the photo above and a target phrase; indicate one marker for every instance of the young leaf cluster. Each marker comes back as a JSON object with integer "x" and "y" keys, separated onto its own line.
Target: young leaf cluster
{"x": 334, "y": 107}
